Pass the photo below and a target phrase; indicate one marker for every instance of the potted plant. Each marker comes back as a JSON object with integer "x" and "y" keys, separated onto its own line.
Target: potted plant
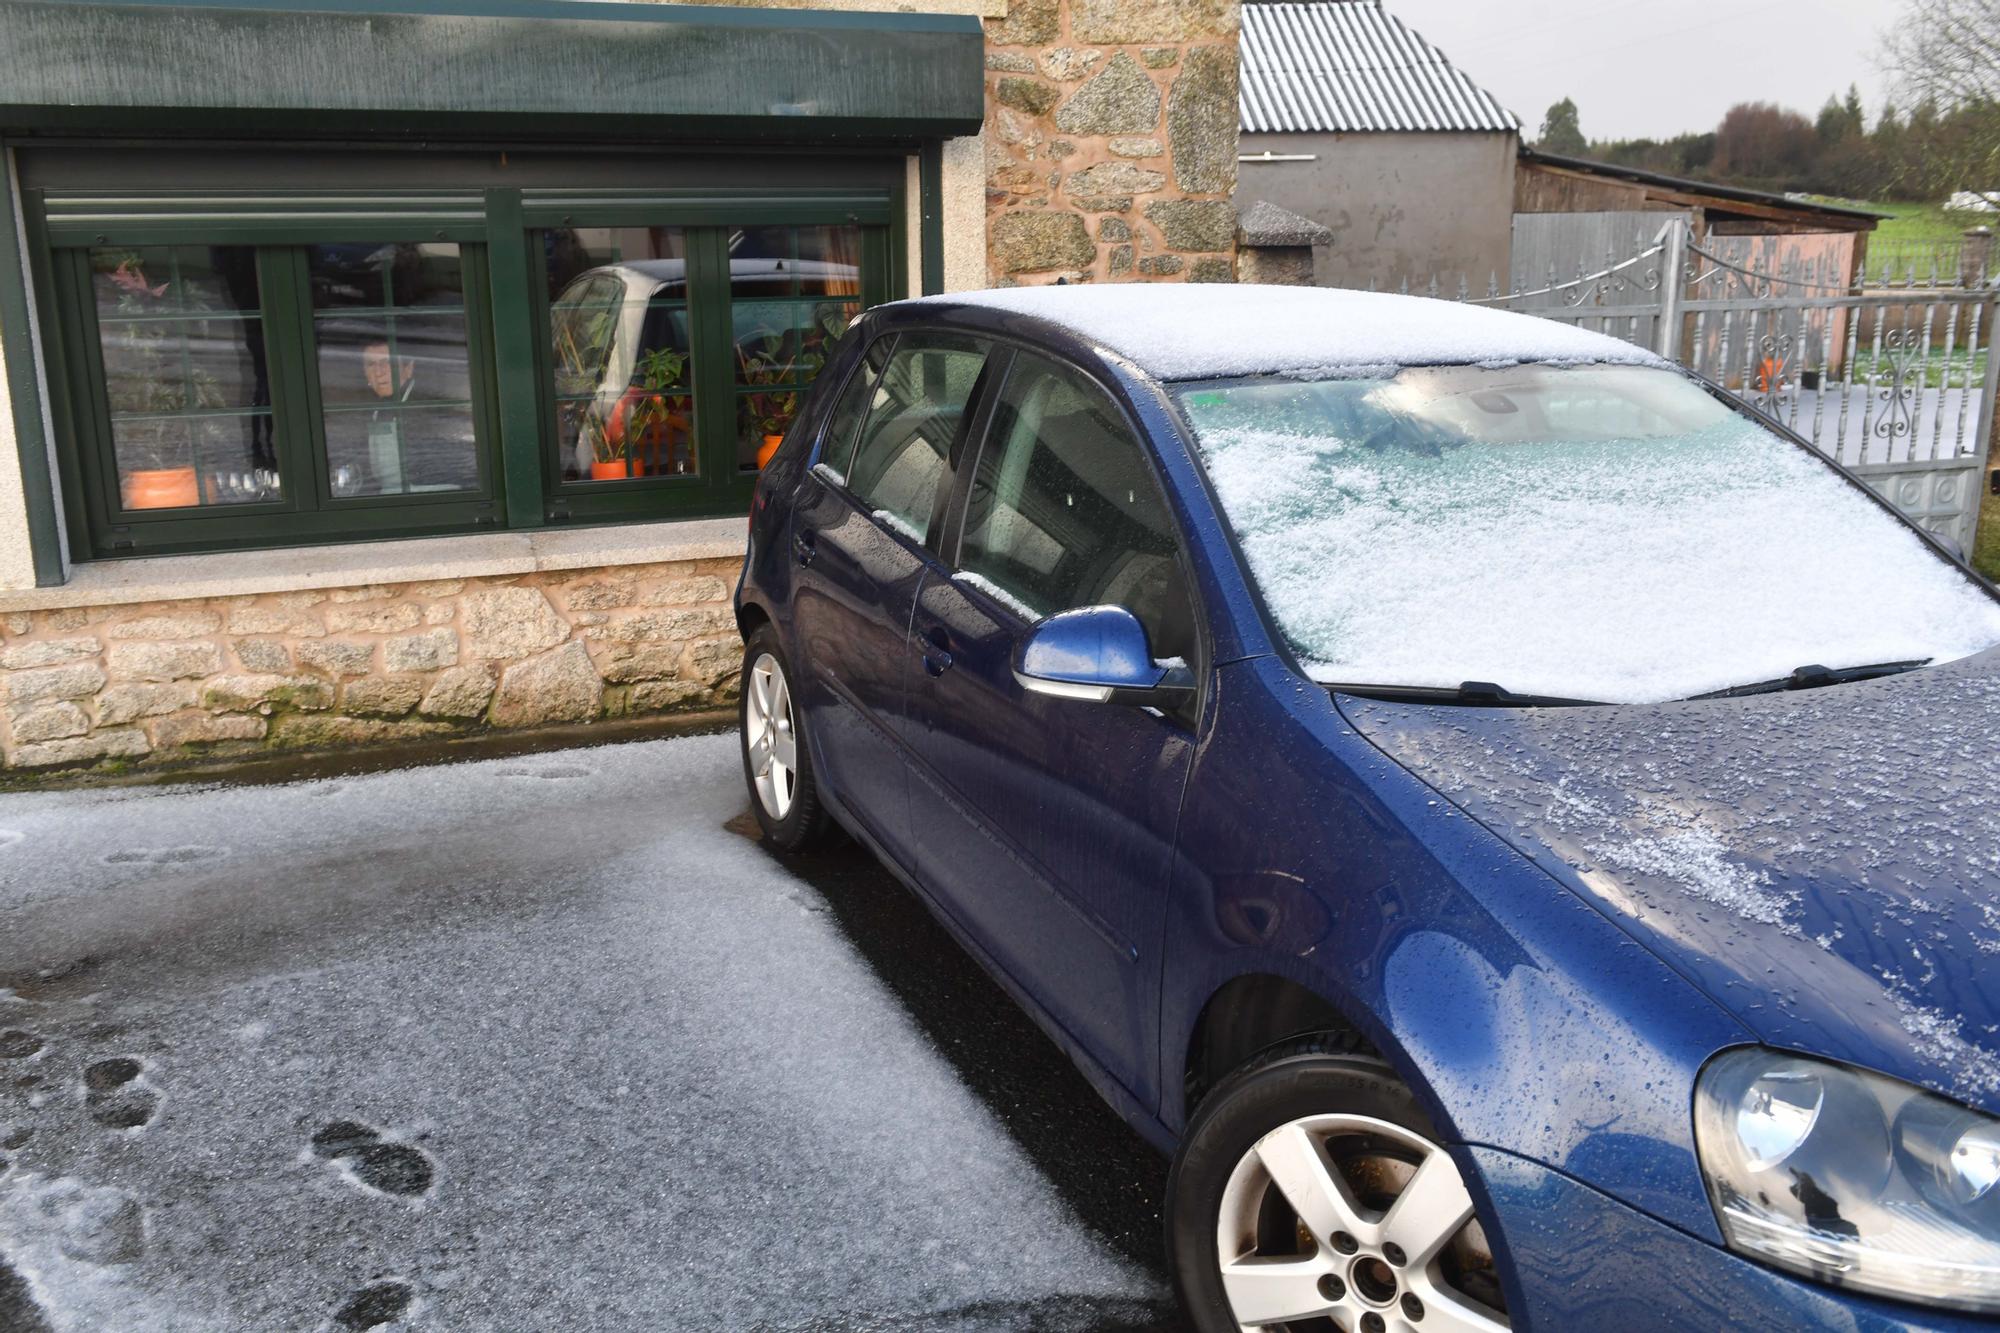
{"x": 651, "y": 415}
{"x": 607, "y": 451}
{"x": 773, "y": 375}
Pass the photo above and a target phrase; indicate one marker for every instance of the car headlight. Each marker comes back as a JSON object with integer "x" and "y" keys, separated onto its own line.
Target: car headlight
{"x": 1851, "y": 1178}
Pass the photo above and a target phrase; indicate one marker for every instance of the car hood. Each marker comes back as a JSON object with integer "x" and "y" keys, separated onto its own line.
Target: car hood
{"x": 1824, "y": 864}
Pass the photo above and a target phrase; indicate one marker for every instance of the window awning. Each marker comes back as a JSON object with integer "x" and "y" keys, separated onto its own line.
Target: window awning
{"x": 519, "y": 69}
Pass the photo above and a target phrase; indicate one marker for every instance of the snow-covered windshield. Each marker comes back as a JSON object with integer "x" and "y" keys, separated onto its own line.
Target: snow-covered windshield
{"x": 1595, "y": 532}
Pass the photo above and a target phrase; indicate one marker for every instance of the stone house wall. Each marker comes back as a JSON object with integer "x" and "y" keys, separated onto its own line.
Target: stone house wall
{"x": 152, "y": 682}
{"x": 1111, "y": 141}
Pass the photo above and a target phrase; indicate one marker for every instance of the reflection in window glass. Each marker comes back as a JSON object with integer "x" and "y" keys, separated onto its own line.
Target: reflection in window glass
{"x": 1063, "y": 511}
{"x": 915, "y": 415}
{"x": 394, "y": 369}
{"x": 186, "y": 376}
{"x": 837, "y": 445}
{"x": 793, "y": 292}
{"x": 618, "y": 324}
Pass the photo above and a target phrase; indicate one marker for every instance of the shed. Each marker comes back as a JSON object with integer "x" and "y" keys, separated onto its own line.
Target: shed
{"x": 1571, "y": 210}
{"x": 1353, "y": 120}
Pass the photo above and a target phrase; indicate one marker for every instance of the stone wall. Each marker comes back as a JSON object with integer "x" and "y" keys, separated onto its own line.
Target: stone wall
{"x": 156, "y": 682}
{"x": 1111, "y": 141}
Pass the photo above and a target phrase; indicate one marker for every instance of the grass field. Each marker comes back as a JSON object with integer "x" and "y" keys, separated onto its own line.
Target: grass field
{"x": 1922, "y": 224}
{"x": 1914, "y": 233}
{"x": 1986, "y": 551}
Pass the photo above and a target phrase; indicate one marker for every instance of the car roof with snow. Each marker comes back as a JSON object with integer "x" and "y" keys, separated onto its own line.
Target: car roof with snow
{"x": 1185, "y": 331}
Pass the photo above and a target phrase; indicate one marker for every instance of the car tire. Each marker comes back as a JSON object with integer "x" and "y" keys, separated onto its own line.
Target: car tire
{"x": 783, "y": 796}
{"x": 1340, "y": 1252}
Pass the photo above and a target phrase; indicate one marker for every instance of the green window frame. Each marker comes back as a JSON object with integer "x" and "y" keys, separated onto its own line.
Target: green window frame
{"x": 707, "y": 219}
{"x": 501, "y": 235}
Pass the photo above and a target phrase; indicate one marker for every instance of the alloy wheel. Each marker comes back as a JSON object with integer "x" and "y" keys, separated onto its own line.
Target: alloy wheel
{"x": 769, "y": 736}
{"x": 1354, "y": 1223}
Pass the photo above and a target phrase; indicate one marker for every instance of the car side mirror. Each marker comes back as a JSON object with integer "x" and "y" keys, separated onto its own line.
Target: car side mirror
{"x": 1098, "y": 654}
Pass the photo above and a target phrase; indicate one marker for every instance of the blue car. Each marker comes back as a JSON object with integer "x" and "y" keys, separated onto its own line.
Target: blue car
{"x": 1521, "y": 831}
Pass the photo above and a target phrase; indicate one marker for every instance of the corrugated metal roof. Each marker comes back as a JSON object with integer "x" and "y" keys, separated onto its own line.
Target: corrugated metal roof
{"x": 1336, "y": 65}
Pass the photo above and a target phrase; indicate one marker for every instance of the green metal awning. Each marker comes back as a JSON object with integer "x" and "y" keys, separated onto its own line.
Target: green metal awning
{"x": 514, "y": 68}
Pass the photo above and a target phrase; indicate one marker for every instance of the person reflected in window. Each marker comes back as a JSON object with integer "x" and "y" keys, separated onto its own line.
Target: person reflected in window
{"x": 391, "y": 379}
{"x": 237, "y": 265}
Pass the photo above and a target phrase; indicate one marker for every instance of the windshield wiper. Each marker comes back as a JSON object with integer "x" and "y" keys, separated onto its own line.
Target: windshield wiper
{"x": 1471, "y": 693}
{"x": 1813, "y": 677}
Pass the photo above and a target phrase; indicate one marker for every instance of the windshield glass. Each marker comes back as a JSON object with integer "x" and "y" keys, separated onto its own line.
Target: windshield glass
{"x": 1595, "y": 532}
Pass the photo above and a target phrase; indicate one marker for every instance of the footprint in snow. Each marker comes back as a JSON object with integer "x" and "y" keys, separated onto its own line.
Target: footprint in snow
{"x": 374, "y": 1305}
{"x": 17, "y": 1044}
{"x": 117, "y": 1095}
{"x": 549, "y": 772}
{"x": 12, "y": 1141}
{"x": 164, "y": 856}
{"x": 375, "y": 1162}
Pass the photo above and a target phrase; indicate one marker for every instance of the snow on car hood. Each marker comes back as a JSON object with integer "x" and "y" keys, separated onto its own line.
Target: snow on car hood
{"x": 1824, "y": 864}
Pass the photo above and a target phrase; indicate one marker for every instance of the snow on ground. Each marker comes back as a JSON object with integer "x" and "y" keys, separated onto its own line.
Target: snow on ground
{"x": 525, "y": 1043}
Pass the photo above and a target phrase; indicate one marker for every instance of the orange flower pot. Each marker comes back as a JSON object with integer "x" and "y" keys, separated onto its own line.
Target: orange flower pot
{"x": 616, "y": 470}
{"x": 771, "y": 443}
{"x": 160, "y": 488}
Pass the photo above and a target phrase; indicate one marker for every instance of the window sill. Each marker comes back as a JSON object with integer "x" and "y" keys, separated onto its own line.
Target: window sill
{"x": 292, "y": 569}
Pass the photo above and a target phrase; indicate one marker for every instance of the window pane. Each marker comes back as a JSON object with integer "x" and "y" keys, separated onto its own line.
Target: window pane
{"x": 1063, "y": 511}
{"x": 830, "y": 261}
{"x": 761, "y": 262}
{"x": 186, "y": 376}
{"x": 623, "y": 365}
{"x": 911, "y": 423}
{"x": 394, "y": 368}
{"x": 780, "y": 348}
{"x": 793, "y": 292}
{"x": 837, "y": 446}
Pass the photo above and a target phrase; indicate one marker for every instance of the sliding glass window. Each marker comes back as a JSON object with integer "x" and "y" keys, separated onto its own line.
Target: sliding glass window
{"x": 245, "y": 394}
{"x": 253, "y": 370}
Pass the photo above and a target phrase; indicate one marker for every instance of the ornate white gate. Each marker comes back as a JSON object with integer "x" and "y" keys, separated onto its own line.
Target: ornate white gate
{"x": 1895, "y": 380}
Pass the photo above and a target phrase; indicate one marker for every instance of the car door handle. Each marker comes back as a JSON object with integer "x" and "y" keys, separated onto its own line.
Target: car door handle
{"x": 805, "y": 545}
{"x": 935, "y": 645}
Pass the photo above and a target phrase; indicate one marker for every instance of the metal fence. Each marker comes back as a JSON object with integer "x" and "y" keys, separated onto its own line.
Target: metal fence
{"x": 1893, "y": 379}
{"x": 1905, "y": 261}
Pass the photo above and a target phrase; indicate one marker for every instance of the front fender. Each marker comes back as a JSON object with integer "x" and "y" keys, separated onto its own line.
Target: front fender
{"x": 1519, "y": 1016}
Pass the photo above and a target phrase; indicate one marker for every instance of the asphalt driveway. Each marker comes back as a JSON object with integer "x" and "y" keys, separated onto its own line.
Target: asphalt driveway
{"x": 531, "y": 1043}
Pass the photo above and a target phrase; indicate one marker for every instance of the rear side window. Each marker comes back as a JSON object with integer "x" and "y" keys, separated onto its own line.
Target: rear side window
{"x": 1064, "y": 512}
{"x": 913, "y": 416}
{"x": 837, "y": 446}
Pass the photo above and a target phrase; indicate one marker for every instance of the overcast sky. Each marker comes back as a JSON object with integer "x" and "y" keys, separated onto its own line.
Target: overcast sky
{"x": 1638, "y": 68}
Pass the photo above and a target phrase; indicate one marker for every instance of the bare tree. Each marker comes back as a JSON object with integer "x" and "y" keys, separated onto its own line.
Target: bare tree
{"x": 1946, "y": 53}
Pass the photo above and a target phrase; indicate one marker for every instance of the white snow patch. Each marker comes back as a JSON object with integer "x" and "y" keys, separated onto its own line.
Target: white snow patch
{"x": 1177, "y": 331}
{"x": 998, "y": 594}
{"x": 830, "y": 474}
{"x": 1937, "y": 1038}
{"x": 1628, "y": 573}
{"x": 897, "y": 523}
{"x": 1697, "y": 860}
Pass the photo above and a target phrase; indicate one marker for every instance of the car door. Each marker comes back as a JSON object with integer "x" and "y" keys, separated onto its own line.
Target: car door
{"x": 1047, "y": 825}
{"x": 857, "y": 533}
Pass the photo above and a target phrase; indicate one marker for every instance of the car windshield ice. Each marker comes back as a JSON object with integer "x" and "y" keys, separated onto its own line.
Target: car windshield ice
{"x": 1595, "y": 532}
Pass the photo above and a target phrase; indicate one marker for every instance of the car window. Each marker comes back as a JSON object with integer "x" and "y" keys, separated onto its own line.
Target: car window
{"x": 1064, "y": 512}
{"x": 837, "y": 446}
{"x": 912, "y": 419}
{"x": 1594, "y": 532}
